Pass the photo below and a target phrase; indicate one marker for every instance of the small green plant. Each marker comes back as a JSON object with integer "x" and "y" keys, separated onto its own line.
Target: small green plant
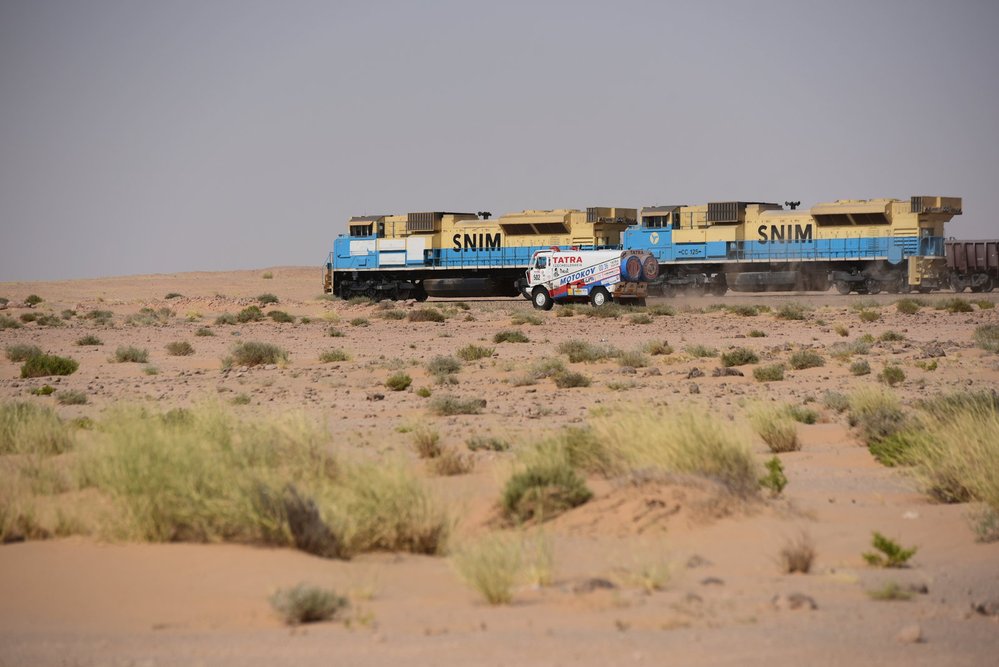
{"x": 907, "y": 306}
{"x": 249, "y": 314}
{"x": 130, "y": 354}
{"x": 955, "y": 305}
{"x": 739, "y": 356}
{"x": 756, "y": 333}
{"x": 424, "y": 392}
{"x": 775, "y": 480}
{"x": 8, "y": 323}
{"x": 525, "y": 318}
{"x": 241, "y": 399}
{"x": 806, "y": 359}
{"x": 43, "y": 365}
{"x": 451, "y": 462}
{"x": 475, "y": 352}
{"x": 398, "y": 381}
{"x": 267, "y": 275}
{"x": 776, "y": 427}
{"x": 984, "y": 304}
{"x": 150, "y": 370}
{"x": 359, "y": 322}
{"x": 333, "y": 355}
{"x": 173, "y": 295}
{"x": 307, "y": 604}
{"x": 836, "y": 401}
{"x": 281, "y": 317}
{"x": 44, "y": 390}
{"x": 791, "y": 311}
{"x": 797, "y": 555}
{"x": 442, "y": 366}
{"x": 225, "y": 318}
{"x": 869, "y": 315}
{"x": 701, "y": 351}
{"x": 661, "y": 310}
{"x": 333, "y": 332}
{"x": 491, "y": 566}
{"x": 71, "y": 397}
{"x": 771, "y": 373}
{"x": 28, "y": 317}
{"x": 890, "y": 591}
{"x": 876, "y": 412}
{"x": 486, "y": 443}
{"x": 204, "y": 331}
{"x": 581, "y": 350}
{"x": 987, "y": 337}
{"x": 267, "y": 298}
{"x": 394, "y": 314}
{"x": 890, "y": 337}
{"x": 49, "y": 321}
{"x": 892, "y": 375}
{"x": 887, "y": 552}
{"x": 426, "y": 443}
{"x": 360, "y": 300}
{"x": 640, "y": 318}
{"x": 658, "y": 347}
{"x": 743, "y": 310}
{"x": 510, "y": 336}
{"x": 570, "y": 379}
{"x": 33, "y": 300}
{"x": 633, "y": 359}
{"x": 929, "y": 366}
{"x": 453, "y": 405}
{"x": 89, "y": 339}
{"x": 841, "y": 330}
{"x": 22, "y": 352}
{"x": 425, "y": 315}
{"x": 180, "y": 349}
{"x": 860, "y": 367}
{"x": 28, "y": 428}
{"x": 543, "y": 489}
{"x": 251, "y": 353}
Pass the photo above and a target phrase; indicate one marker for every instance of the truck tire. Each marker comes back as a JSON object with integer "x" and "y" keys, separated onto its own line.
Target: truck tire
{"x": 650, "y": 269}
{"x": 541, "y": 299}
{"x": 599, "y": 297}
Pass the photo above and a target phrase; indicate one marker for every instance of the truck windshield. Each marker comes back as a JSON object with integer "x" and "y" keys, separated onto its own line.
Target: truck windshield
{"x": 541, "y": 262}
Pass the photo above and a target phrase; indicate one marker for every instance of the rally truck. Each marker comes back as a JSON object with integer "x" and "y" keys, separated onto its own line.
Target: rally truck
{"x": 597, "y": 276}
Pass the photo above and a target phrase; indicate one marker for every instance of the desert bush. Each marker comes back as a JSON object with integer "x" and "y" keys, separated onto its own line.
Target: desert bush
{"x": 26, "y": 428}
{"x": 333, "y": 355}
{"x": 610, "y": 310}
{"x": 147, "y": 317}
{"x": 451, "y": 462}
{"x": 425, "y": 315}
{"x": 131, "y": 354}
{"x": 836, "y": 401}
{"x": 225, "y": 318}
{"x": 860, "y": 367}
{"x": 661, "y": 310}
{"x": 306, "y": 604}
{"x": 423, "y": 392}
{"x": 542, "y": 489}
{"x": 633, "y": 359}
{"x": 475, "y": 352}
{"x": 801, "y": 414}
{"x": 680, "y": 442}
{"x": 28, "y": 317}
{"x": 252, "y": 353}
{"x": 891, "y": 375}
{"x": 890, "y": 337}
{"x": 44, "y": 390}
{"x": 333, "y": 332}
{"x": 88, "y": 340}
{"x": 398, "y": 381}
{"x": 756, "y": 333}
{"x": 567, "y": 310}
{"x": 266, "y": 298}
{"x": 446, "y": 405}
{"x": 71, "y": 397}
{"x": 701, "y": 351}
{"x": 510, "y": 336}
{"x": 49, "y": 321}
{"x": 33, "y": 300}
{"x": 442, "y": 365}
{"x": 876, "y": 412}
{"x": 791, "y": 311}
{"x": 954, "y": 305}
{"x": 525, "y": 318}
{"x": 774, "y": 480}
{"x": 797, "y": 555}
{"x": 887, "y": 552}
{"x": 281, "y": 317}
{"x": 393, "y": 314}
{"x": 151, "y": 370}
{"x": 890, "y": 591}
{"x": 744, "y": 310}
{"x": 844, "y": 350}
{"x": 771, "y": 373}
{"x": 546, "y": 367}
{"x": 173, "y": 295}
{"x": 204, "y": 331}
{"x": 570, "y": 379}
{"x": 486, "y": 443}
{"x": 806, "y": 359}
{"x": 22, "y": 352}
{"x": 776, "y": 427}
{"x": 267, "y": 275}
{"x": 8, "y": 323}
{"x": 180, "y": 349}
{"x": 43, "y": 365}
{"x": 869, "y": 315}
{"x": 739, "y": 356}
{"x": 640, "y": 318}
{"x": 241, "y": 399}
{"x": 426, "y": 443}
{"x": 658, "y": 347}
{"x": 987, "y": 337}
{"x": 581, "y": 350}
{"x": 491, "y": 566}
{"x": 250, "y": 314}
{"x": 985, "y": 523}
{"x": 100, "y": 316}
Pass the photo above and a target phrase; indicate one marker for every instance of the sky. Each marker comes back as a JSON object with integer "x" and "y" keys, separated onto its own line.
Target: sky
{"x": 141, "y": 136}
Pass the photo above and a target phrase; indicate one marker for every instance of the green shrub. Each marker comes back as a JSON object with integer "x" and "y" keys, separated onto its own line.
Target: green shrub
{"x": 791, "y": 311}
{"x": 180, "y": 349}
{"x": 8, "y": 323}
{"x": 844, "y": 350}
{"x": 542, "y": 490}
{"x": 491, "y": 566}
{"x": 398, "y": 381}
{"x": 360, "y": 301}
{"x": 147, "y": 317}
{"x": 423, "y": 392}
{"x": 100, "y": 316}
{"x": 895, "y": 449}
{"x": 49, "y": 321}
{"x": 775, "y": 480}
{"x": 571, "y": 379}
{"x": 22, "y": 352}
{"x": 241, "y": 399}
{"x": 984, "y": 304}
{"x": 27, "y": 428}
{"x": 801, "y": 414}
{"x": 640, "y": 318}
{"x": 887, "y": 553}
{"x": 806, "y": 359}
{"x": 776, "y": 427}
{"x": 756, "y": 333}
{"x": 267, "y": 275}
{"x": 869, "y": 315}
{"x": 131, "y": 355}
{"x": 797, "y": 555}
{"x": 581, "y": 350}
{"x": 33, "y": 300}
{"x": 281, "y": 317}
{"x": 633, "y": 359}
{"x": 744, "y": 310}
{"x": 451, "y": 462}
{"x": 890, "y": 591}
{"x": 739, "y": 356}
{"x": 876, "y": 412}
{"x": 28, "y": 317}
{"x": 892, "y": 375}
{"x": 771, "y": 373}
{"x": 265, "y": 299}
{"x": 426, "y": 443}
{"x": 608, "y": 310}
{"x": 71, "y": 397}
{"x": 425, "y": 315}
{"x": 306, "y": 604}
{"x": 954, "y": 305}
{"x": 251, "y": 353}
{"x": 485, "y": 443}
{"x": 359, "y": 322}
{"x": 333, "y": 355}
{"x": 510, "y": 336}
{"x": 907, "y": 306}
{"x": 701, "y": 351}
{"x": 525, "y": 318}
{"x": 475, "y": 352}
{"x": 173, "y": 295}
{"x": 204, "y": 331}
{"x": 393, "y": 314}
{"x": 453, "y": 405}
{"x": 860, "y": 367}
{"x": 44, "y": 390}
{"x": 987, "y": 337}
{"x": 443, "y": 365}
{"x": 249, "y": 314}
{"x": 657, "y": 347}
{"x": 890, "y": 337}
{"x": 226, "y": 318}
{"x": 661, "y": 310}
{"x": 333, "y": 332}
{"x": 836, "y": 401}
{"x": 89, "y": 339}
{"x": 43, "y": 365}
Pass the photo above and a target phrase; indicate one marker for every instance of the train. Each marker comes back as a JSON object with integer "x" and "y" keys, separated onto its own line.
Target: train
{"x": 865, "y": 246}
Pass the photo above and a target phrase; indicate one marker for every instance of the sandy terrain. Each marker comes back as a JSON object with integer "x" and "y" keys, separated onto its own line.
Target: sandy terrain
{"x": 86, "y": 601}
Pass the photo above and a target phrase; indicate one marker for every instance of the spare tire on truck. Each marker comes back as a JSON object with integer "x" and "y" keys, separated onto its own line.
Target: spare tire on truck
{"x": 631, "y": 268}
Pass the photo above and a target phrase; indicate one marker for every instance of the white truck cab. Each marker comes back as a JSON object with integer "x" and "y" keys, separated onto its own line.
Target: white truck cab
{"x": 597, "y": 276}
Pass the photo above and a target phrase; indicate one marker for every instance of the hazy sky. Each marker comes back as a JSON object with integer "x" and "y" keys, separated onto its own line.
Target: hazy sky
{"x": 151, "y": 137}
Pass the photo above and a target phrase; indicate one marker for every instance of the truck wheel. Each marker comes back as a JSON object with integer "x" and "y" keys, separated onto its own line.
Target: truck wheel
{"x": 599, "y": 297}
{"x": 541, "y": 299}
{"x": 843, "y": 287}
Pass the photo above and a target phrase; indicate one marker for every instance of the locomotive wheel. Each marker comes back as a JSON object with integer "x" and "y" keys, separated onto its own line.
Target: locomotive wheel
{"x": 843, "y": 287}
{"x": 873, "y": 286}
{"x": 420, "y": 293}
{"x": 719, "y": 290}
{"x": 599, "y": 297}
{"x": 541, "y": 299}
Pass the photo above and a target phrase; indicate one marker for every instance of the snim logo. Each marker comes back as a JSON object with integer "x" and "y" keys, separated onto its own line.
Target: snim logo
{"x": 654, "y": 238}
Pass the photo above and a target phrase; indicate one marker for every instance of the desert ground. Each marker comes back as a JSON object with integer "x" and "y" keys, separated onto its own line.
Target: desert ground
{"x": 654, "y": 568}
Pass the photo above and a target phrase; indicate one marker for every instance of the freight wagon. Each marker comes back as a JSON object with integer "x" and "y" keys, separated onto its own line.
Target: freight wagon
{"x": 973, "y": 264}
